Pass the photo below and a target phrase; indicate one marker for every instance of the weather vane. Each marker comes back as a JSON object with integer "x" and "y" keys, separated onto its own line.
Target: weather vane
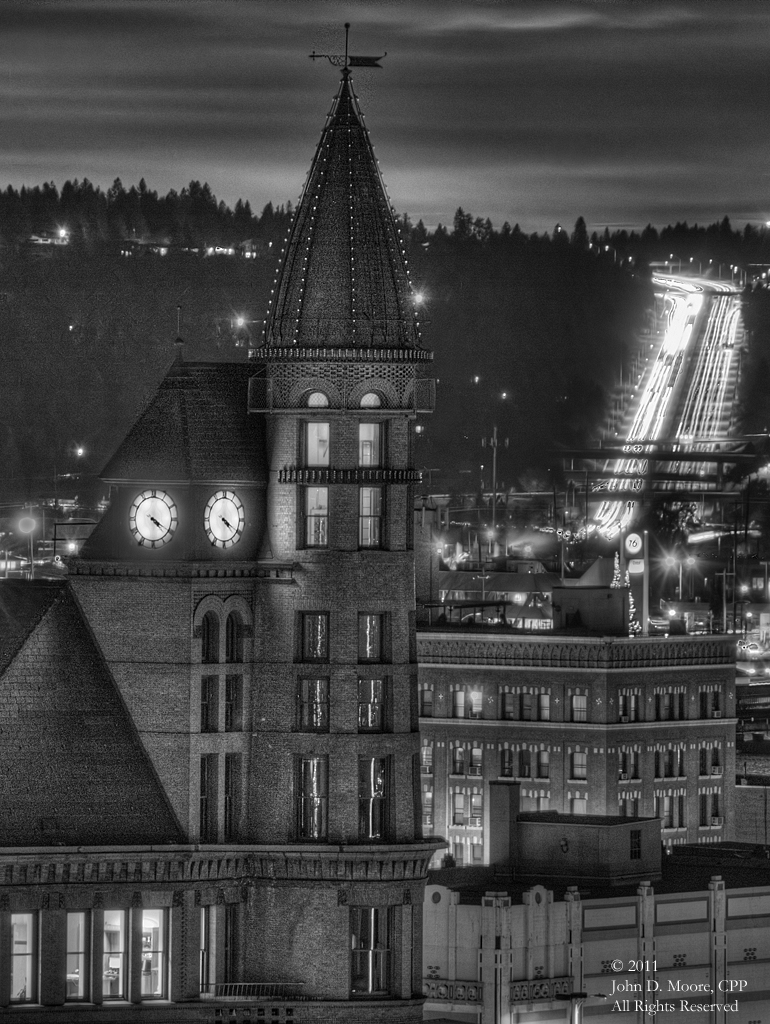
{"x": 345, "y": 60}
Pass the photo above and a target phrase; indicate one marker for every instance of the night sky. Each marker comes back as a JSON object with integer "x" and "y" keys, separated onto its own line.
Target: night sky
{"x": 623, "y": 112}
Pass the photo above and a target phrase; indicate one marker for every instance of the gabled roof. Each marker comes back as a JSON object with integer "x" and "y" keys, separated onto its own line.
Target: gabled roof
{"x": 343, "y": 280}
{"x": 74, "y": 771}
{"x": 195, "y": 428}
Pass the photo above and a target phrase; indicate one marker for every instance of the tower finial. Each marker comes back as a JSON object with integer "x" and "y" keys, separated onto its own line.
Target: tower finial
{"x": 347, "y": 60}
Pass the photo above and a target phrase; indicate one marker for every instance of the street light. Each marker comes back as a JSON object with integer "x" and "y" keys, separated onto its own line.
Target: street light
{"x": 28, "y": 525}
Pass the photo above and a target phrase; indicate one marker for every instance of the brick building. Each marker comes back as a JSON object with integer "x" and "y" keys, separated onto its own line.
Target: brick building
{"x": 598, "y": 725}
{"x": 211, "y": 735}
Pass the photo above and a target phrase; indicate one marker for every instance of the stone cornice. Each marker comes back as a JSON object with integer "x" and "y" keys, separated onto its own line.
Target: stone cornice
{"x": 467, "y": 648}
{"x": 363, "y": 475}
{"x": 186, "y": 865}
{"x": 282, "y": 572}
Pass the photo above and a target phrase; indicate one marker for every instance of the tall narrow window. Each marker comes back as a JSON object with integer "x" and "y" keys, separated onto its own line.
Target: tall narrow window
{"x": 477, "y": 810}
{"x": 233, "y": 638}
{"x": 316, "y": 444}
{"x": 578, "y": 765}
{"x": 579, "y": 708}
{"x": 232, "y": 796}
{"x": 526, "y": 707}
{"x": 543, "y": 764}
{"x": 636, "y": 844}
{"x": 371, "y": 705}
{"x": 475, "y": 709}
{"x": 458, "y": 704}
{"x": 233, "y": 703}
{"x": 314, "y": 705}
{"x": 114, "y": 980}
{"x": 372, "y": 797}
{"x": 313, "y": 798}
{"x": 205, "y": 950}
{"x": 370, "y": 942}
{"x": 477, "y": 758}
{"x": 525, "y": 764}
{"x": 315, "y": 636}
{"x": 458, "y": 761}
{"x": 633, "y": 707}
{"x": 209, "y": 686}
{"x": 458, "y": 809}
{"x": 544, "y": 707}
{"x": 210, "y": 639}
{"x": 317, "y": 517}
{"x": 704, "y": 809}
{"x": 208, "y": 800}
{"x": 23, "y": 958}
{"x": 370, "y": 639}
{"x": 426, "y": 703}
{"x": 427, "y": 809}
{"x": 509, "y": 706}
{"x": 370, "y": 517}
{"x": 369, "y": 444}
{"x": 426, "y": 759}
{"x": 506, "y": 763}
{"x": 154, "y": 954}
{"x": 77, "y": 957}
{"x": 230, "y": 940}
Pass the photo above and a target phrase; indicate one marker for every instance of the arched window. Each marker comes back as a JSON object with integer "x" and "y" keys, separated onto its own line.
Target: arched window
{"x": 317, "y": 400}
{"x": 371, "y": 401}
{"x": 233, "y": 638}
{"x": 210, "y": 639}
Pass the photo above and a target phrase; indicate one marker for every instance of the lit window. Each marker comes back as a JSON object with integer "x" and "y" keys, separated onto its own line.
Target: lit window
{"x": 369, "y": 941}
{"x": 370, "y": 517}
{"x": 77, "y": 957}
{"x": 317, "y": 517}
{"x": 317, "y": 400}
{"x": 370, "y": 637}
{"x": 579, "y": 805}
{"x": 458, "y": 809}
{"x": 368, "y": 444}
{"x": 544, "y": 707}
{"x": 317, "y": 444}
{"x": 426, "y": 759}
{"x": 23, "y": 958}
{"x": 313, "y": 790}
{"x": 458, "y": 704}
{"x": 372, "y": 797}
{"x": 543, "y": 764}
{"x": 205, "y": 979}
{"x": 314, "y": 705}
{"x": 579, "y": 708}
{"x": 315, "y": 636}
{"x": 578, "y": 765}
{"x": 458, "y": 761}
{"x": 371, "y": 705}
{"x": 114, "y": 980}
{"x": 371, "y": 401}
{"x": 154, "y": 954}
{"x": 477, "y": 757}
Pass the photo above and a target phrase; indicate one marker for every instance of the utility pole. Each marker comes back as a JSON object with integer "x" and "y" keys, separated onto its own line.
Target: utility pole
{"x": 492, "y": 442}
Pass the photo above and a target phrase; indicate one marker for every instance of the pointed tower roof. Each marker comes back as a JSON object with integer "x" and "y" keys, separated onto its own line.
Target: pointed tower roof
{"x": 343, "y": 280}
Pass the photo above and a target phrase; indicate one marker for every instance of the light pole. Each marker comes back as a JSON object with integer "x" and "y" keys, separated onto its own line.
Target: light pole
{"x": 493, "y": 443}
{"x": 27, "y": 525}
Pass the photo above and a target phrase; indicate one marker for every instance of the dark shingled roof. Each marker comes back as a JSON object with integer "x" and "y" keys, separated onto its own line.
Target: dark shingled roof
{"x": 195, "y": 428}
{"x": 21, "y": 608}
{"x": 343, "y": 279}
{"x": 73, "y": 769}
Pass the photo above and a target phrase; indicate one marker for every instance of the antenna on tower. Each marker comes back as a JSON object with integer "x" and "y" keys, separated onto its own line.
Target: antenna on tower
{"x": 346, "y": 60}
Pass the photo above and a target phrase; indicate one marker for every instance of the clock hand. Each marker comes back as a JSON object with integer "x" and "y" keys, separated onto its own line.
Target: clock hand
{"x": 229, "y": 527}
{"x": 155, "y": 521}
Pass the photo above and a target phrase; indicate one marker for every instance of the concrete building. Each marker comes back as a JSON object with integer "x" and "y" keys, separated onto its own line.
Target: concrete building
{"x": 211, "y": 755}
{"x": 588, "y": 724}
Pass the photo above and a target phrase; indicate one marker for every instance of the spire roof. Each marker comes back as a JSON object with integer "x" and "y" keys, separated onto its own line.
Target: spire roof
{"x": 343, "y": 279}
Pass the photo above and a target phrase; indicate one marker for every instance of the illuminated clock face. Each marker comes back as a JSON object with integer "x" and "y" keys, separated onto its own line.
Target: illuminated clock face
{"x": 224, "y": 519}
{"x": 153, "y": 518}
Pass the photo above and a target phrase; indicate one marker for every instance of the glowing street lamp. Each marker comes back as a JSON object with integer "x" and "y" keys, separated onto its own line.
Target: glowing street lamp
{"x": 28, "y": 525}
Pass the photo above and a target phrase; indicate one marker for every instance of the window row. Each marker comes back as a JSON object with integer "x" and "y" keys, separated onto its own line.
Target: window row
{"x": 316, "y": 514}
{"x": 669, "y": 764}
{"x": 316, "y": 446}
{"x": 672, "y": 810}
{"x": 110, "y": 947}
{"x": 372, "y": 636}
{"x": 536, "y": 707}
{"x": 312, "y": 797}
{"x": 373, "y": 705}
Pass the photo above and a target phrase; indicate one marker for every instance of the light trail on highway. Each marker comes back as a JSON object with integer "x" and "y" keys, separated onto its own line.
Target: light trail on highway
{"x": 687, "y": 393}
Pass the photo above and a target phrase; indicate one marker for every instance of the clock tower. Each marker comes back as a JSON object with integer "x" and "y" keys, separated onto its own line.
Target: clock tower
{"x": 251, "y": 588}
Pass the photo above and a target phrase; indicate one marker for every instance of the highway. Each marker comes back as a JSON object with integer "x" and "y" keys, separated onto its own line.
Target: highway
{"x": 686, "y": 391}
